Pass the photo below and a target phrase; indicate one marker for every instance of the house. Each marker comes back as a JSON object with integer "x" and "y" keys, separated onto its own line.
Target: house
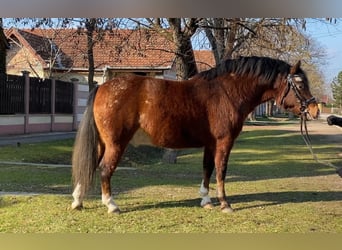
{"x": 62, "y": 54}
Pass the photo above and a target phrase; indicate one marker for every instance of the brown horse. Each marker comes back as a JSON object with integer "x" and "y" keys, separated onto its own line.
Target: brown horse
{"x": 206, "y": 111}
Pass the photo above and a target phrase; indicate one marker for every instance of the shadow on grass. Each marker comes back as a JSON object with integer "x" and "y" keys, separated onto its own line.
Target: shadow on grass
{"x": 275, "y": 154}
{"x": 266, "y": 199}
{"x": 277, "y": 198}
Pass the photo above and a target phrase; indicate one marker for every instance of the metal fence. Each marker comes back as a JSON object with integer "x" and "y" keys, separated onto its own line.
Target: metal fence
{"x": 12, "y": 89}
{"x": 12, "y": 92}
{"x": 64, "y": 97}
{"x": 40, "y": 96}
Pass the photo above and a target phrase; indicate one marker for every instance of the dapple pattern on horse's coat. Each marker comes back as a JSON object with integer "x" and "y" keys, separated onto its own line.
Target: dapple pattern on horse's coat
{"x": 206, "y": 111}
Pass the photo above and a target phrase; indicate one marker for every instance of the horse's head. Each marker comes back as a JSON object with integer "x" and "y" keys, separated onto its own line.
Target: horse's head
{"x": 296, "y": 96}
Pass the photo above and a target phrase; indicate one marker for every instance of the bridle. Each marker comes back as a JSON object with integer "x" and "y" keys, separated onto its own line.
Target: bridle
{"x": 304, "y": 103}
{"x": 303, "y": 119}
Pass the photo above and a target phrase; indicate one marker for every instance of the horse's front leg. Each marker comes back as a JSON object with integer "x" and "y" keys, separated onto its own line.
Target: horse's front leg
{"x": 221, "y": 159}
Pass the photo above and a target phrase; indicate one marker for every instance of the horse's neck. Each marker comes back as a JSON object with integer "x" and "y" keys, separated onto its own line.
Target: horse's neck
{"x": 257, "y": 94}
{"x": 268, "y": 95}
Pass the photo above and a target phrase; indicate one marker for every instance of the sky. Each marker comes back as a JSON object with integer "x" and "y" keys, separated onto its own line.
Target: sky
{"x": 329, "y": 36}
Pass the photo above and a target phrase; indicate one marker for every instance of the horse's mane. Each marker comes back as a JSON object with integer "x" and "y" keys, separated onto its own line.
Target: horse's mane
{"x": 264, "y": 68}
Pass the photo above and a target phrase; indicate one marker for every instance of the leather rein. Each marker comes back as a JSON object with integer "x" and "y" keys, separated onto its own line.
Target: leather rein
{"x": 303, "y": 120}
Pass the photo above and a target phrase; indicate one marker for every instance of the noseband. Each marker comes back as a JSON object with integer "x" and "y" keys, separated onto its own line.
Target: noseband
{"x": 303, "y": 102}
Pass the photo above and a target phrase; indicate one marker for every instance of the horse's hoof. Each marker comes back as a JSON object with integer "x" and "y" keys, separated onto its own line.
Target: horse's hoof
{"x": 114, "y": 211}
{"x": 208, "y": 206}
{"x": 227, "y": 210}
{"x": 76, "y": 206}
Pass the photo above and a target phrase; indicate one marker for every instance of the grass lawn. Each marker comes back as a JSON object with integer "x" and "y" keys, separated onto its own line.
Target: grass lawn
{"x": 272, "y": 183}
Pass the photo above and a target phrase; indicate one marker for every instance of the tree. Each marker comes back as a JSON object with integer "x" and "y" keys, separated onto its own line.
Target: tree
{"x": 3, "y": 47}
{"x": 182, "y": 30}
{"x": 226, "y": 35}
{"x": 94, "y": 29}
{"x": 275, "y": 37}
{"x": 90, "y": 25}
{"x": 336, "y": 88}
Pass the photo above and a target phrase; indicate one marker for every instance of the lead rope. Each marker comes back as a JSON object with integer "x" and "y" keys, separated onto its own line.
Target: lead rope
{"x": 307, "y": 141}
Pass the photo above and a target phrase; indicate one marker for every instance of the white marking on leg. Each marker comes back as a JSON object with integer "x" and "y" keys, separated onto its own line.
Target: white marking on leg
{"x": 204, "y": 192}
{"x": 109, "y": 202}
{"x": 77, "y": 203}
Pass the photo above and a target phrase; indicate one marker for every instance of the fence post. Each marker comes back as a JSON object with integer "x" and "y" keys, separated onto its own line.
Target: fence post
{"x": 26, "y": 100}
{"x": 53, "y": 104}
{"x": 75, "y": 103}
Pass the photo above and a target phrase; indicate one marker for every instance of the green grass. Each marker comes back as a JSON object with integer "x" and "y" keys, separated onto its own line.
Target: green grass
{"x": 56, "y": 152}
{"x": 272, "y": 183}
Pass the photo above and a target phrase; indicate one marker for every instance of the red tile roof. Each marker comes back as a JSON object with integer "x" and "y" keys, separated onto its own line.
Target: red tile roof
{"x": 120, "y": 48}
{"x": 204, "y": 59}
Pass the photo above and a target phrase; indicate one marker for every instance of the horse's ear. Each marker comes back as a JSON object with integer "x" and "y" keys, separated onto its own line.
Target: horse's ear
{"x": 295, "y": 68}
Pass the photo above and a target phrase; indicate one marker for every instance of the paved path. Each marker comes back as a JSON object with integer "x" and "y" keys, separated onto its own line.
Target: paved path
{"x": 11, "y": 163}
{"x": 327, "y": 134}
{"x": 317, "y": 127}
{"x": 32, "y": 138}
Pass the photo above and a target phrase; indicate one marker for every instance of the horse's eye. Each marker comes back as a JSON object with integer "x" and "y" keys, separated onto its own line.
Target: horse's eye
{"x": 300, "y": 86}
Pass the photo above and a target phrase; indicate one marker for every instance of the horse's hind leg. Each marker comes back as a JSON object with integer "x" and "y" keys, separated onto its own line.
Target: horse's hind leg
{"x": 222, "y": 153}
{"x": 108, "y": 165}
{"x": 208, "y": 167}
{"x": 78, "y": 198}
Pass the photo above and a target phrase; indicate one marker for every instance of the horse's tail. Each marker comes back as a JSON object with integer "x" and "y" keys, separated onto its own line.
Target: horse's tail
{"x": 85, "y": 155}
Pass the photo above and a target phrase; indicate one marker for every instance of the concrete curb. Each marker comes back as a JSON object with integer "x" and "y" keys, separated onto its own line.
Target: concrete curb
{"x": 49, "y": 165}
{"x": 35, "y": 138}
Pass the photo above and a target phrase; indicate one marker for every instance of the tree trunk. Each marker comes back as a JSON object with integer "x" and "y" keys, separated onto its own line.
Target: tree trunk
{"x": 185, "y": 58}
{"x": 2, "y": 59}
{"x": 221, "y": 34}
{"x": 185, "y": 62}
{"x": 170, "y": 156}
{"x": 269, "y": 111}
{"x": 3, "y": 48}
{"x": 251, "y": 116}
{"x": 90, "y": 26}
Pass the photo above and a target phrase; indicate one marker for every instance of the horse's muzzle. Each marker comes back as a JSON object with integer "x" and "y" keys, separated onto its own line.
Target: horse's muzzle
{"x": 312, "y": 111}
